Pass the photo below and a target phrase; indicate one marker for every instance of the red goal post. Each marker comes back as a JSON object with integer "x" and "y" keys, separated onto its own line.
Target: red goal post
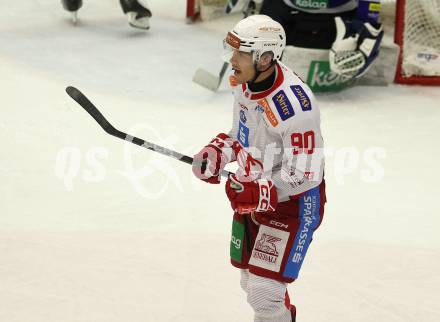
{"x": 417, "y": 32}
{"x": 204, "y": 9}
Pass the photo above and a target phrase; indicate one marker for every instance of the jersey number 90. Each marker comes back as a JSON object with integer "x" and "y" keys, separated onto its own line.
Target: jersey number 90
{"x": 303, "y": 142}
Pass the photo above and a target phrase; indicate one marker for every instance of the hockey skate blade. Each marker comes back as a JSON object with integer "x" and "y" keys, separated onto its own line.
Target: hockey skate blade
{"x": 142, "y": 23}
{"x": 206, "y": 79}
{"x": 74, "y": 17}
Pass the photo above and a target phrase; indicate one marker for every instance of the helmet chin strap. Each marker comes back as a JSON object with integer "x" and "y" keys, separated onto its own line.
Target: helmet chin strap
{"x": 258, "y": 72}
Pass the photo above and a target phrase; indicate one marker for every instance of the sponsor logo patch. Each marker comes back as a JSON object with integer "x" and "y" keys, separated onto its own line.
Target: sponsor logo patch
{"x": 269, "y": 29}
{"x": 309, "y": 216}
{"x": 427, "y": 56}
{"x": 268, "y": 111}
{"x": 375, "y": 6}
{"x": 236, "y": 249}
{"x": 283, "y": 105}
{"x": 321, "y": 79}
{"x": 269, "y": 248}
{"x": 304, "y": 100}
{"x": 243, "y": 134}
{"x": 243, "y": 117}
{"x": 243, "y": 107}
{"x": 259, "y": 109}
{"x": 312, "y": 4}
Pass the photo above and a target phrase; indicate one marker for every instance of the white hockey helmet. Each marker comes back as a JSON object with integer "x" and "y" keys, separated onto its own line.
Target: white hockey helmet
{"x": 256, "y": 34}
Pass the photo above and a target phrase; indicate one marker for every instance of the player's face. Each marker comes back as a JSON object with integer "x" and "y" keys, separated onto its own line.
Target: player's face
{"x": 243, "y": 66}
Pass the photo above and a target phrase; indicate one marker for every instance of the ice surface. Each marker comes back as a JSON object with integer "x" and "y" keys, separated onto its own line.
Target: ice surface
{"x": 132, "y": 237}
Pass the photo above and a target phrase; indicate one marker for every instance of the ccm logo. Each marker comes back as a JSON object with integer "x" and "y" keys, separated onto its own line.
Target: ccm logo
{"x": 278, "y": 224}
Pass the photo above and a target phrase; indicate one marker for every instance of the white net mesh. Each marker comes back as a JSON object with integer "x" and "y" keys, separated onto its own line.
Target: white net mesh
{"x": 420, "y": 34}
{"x": 210, "y": 9}
{"x": 421, "y": 38}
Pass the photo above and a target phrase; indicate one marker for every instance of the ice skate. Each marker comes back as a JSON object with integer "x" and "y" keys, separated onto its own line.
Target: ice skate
{"x": 137, "y": 12}
{"x": 293, "y": 312}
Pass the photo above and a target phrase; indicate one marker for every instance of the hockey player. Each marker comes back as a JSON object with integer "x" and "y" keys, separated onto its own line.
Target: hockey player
{"x": 347, "y": 32}
{"x": 278, "y": 191}
{"x": 137, "y": 11}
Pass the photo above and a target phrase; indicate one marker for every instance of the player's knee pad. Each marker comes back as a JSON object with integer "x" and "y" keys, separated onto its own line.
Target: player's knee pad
{"x": 244, "y": 278}
{"x": 267, "y": 298}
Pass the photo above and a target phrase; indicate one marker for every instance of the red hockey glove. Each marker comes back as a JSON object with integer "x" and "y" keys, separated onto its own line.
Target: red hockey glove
{"x": 249, "y": 196}
{"x": 211, "y": 160}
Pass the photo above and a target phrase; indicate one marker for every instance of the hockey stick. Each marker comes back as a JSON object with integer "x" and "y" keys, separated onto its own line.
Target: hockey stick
{"x": 205, "y": 78}
{"x": 230, "y": 5}
{"x": 248, "y": 8}
{"x": 208, "y": 80}
{"x": 93, "y": 111}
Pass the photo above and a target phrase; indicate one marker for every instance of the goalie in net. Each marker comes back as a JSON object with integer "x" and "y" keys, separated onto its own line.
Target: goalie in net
{"x": 331, "y": 43}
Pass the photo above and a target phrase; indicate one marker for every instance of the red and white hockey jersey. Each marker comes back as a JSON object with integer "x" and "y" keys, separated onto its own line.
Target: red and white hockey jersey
{"x": 280, "y": 127}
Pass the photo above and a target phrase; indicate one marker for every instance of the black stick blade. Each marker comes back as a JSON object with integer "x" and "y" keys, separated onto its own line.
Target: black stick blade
{"x": 82, "y": 100}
